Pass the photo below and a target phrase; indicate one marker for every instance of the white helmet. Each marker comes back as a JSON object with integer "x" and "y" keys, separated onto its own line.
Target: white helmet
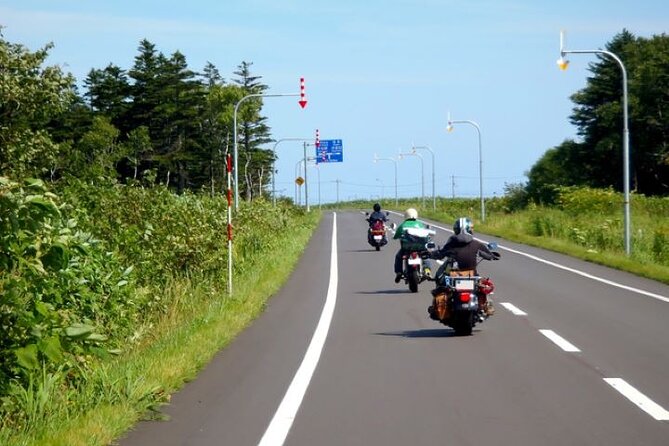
{"x": 411, "y": 213}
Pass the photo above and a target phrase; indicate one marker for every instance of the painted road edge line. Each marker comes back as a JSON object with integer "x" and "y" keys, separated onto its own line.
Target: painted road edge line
{"x": 642, "y": 401}
{"x": 560, "y": 341}
{"x": 572, "y": 270}
{"x": 512, "y": 308}
{"x": 278, "y": 429}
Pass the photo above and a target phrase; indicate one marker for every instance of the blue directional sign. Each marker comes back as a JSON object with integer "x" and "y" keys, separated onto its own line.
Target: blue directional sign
{"x": 330, "y": 151}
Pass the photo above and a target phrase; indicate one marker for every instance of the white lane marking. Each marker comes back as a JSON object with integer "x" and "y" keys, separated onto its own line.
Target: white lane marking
{"x": 589, "y": 276}
{"x": 575, "y": 271}
{"x": 514, "y": 309}
{"x": 642, "y": 401}
{"x": 278, "y": 429}
{"x": 560, "y": 341}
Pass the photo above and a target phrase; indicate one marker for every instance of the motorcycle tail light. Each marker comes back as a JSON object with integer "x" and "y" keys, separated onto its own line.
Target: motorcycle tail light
{"x": 465, "y": 297}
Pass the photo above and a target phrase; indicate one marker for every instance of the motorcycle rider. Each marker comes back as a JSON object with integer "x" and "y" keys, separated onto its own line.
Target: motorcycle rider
{"x": 377, "y": 215}
{"x": 464, "y": 249}
{"x": 411, "y": 221}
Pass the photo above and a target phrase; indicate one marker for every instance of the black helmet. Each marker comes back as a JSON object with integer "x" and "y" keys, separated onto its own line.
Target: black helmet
{"x": 463, "y": 224}
{"x": 377, "y": 207}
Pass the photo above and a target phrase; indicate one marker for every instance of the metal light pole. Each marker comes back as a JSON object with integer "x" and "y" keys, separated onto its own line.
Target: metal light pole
{"x": 234, "y": 131}
{"x": 434, "y": 200}
{"x": 376, "y": 158}
{"x": 318, "y": 171}
{"x": 478, "y": 129}
{"x": 563, "y": 63}
{"x": 422, "y": 174}
{"x": 274, "y": 163}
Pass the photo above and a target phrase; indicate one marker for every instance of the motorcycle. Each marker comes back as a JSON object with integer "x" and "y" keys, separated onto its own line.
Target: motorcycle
{"x": 376, "y": 234}
{"x": 461, "y": 299}
{"x": 417, "y": 245}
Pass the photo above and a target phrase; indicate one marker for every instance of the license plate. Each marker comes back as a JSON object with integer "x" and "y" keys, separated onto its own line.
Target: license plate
{"x": 464, "y": 285}
{"x": 378, "y": 237}
{"x": 414, "y": 261}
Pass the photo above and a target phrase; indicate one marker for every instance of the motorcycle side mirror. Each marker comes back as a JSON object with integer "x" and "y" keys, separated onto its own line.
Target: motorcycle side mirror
{"x": 427, "y": 226}
{"x": 387, "y": 214}
{"x": 496, "y": 255}
{"x": 393, "y": 225}
{"x": 366, "y": 214}
{"x": 430, "y": 246}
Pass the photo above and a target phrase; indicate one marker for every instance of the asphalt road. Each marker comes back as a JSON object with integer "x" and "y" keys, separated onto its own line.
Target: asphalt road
{"x": 577, "y": 354}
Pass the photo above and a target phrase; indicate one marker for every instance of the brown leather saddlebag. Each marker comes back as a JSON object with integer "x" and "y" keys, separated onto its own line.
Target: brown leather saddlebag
{"x": 440, "y": 307}
{"x": 462, "y": 273}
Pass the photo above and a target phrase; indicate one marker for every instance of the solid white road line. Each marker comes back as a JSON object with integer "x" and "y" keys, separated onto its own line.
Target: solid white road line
{"x": 514, "y": 309}
{"x": 589, "y": 276}
{"x": 278, "y": 429}
{"x": 560, "y": 341}
{"x": 646, "y": 404}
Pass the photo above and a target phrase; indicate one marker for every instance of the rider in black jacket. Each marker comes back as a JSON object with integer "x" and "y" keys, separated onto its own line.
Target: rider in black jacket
{"x": 377, "y": 215}
{"x": 462, "y": 247}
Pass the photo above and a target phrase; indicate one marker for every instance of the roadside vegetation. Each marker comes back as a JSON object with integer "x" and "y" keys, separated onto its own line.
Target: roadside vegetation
{"x": 115, "y": 297}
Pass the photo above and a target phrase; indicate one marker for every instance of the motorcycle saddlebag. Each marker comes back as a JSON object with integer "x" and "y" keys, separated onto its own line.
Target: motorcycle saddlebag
{"x": 439, "y": 308}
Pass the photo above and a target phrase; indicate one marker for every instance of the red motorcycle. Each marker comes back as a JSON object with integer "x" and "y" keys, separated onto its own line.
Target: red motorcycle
{"x": 376, "y": 234}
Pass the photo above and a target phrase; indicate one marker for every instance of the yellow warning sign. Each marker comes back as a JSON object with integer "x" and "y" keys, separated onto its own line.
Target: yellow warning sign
{"x": 299, "y": 181}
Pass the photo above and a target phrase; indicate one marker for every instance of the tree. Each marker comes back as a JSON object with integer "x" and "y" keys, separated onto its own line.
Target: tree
{"x": 254, "y": 131}
{"x": 30, "y": 96}
{"x": 108, "y": 92}
{"x": 597, "y": 160}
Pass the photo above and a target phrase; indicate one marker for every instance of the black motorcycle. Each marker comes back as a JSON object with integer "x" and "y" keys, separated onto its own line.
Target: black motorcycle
{"x": 461, "y": 299}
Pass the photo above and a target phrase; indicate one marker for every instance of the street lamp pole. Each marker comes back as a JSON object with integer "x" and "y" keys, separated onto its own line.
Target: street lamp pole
{"x": 274, "y": 164}
{"x": 434, "y": 200}
{"x": 478, "y": 129}
{"x": 562, "y": 63}
{"x": 234, "y": 131}
{"x": 422, "y": 174}
{"x": 376, "y": 158}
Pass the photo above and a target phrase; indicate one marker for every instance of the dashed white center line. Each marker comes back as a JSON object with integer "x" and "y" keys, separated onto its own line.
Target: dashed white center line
{"x": 514, "y": 309}
{"x": 560, "y": 341}
{"x": 642, "y": 401}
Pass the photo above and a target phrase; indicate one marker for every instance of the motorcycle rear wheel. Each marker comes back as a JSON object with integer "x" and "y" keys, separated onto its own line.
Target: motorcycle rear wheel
{"x": 413, "y": 281}
{"x": 463, "y": 323}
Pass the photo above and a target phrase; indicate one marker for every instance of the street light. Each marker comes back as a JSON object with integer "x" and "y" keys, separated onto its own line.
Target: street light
{"x": 563, "y": 63}
{"x": 376, "y": 159}
{"x": 434, "y": 200}
{"x": 318, "y": 170}
{"x": 478, "y": 129}
{"x": 274, "y": 163}
{"x": 234, "y": 131}
{"x": 422, "y": 174}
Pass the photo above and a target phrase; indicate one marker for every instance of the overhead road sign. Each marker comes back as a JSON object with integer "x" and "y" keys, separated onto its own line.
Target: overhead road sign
{"x": 330, "y": 151}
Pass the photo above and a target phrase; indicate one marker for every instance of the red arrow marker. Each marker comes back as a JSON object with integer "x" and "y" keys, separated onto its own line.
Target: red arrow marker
{"x": 303, "y": 99}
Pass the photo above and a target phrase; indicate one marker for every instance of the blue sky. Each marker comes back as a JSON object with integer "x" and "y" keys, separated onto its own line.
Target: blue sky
{"x": 380, "y": 75}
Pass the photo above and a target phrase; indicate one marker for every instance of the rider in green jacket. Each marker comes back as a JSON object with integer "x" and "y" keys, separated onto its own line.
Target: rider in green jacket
{"x": 411, "y": 221}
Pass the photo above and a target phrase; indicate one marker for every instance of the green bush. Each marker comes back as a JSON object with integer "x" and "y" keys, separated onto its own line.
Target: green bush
{"x": 60, "y": 291}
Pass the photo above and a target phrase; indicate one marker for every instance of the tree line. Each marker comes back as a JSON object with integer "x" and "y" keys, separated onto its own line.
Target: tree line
{"x": 596, "y": 159}
{"x": 158, "y": 122}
